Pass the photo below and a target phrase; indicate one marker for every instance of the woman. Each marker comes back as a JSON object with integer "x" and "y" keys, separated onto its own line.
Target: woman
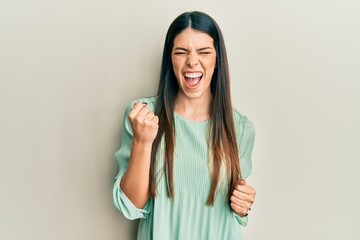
{"x": 186, "y": 152}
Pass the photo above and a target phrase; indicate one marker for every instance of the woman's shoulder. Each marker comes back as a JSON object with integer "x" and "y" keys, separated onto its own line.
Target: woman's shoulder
{"x": 239, "y": 117}
{"x": 242, "y": 123}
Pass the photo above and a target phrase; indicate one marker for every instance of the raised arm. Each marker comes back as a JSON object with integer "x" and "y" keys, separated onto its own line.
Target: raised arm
{"x": 135, "y": 182}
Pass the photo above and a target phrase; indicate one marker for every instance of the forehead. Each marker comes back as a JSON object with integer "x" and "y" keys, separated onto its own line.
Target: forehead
{"x": 193, "y": 38}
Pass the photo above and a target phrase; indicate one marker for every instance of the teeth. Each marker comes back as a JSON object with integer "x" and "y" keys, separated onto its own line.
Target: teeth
{"x": 193, "y": 75}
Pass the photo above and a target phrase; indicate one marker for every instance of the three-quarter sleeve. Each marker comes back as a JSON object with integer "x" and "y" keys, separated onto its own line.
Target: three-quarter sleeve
{"x": 121, "y": 201}
{"x": 246, "y": 145}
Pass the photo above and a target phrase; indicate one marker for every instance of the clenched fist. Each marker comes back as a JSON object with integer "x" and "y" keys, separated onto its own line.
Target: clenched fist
{"x": 242, "y": 199}
{"x": 144, "y": 123}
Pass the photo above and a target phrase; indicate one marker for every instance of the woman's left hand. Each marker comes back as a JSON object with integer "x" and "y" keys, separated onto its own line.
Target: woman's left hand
{"x": 242, "y": 199}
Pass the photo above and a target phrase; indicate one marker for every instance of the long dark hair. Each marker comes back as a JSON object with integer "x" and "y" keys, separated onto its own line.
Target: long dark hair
{"x": 223, "y": 140}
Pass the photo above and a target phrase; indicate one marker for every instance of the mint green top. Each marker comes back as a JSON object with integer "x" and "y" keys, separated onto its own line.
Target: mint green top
{"x": 187, "y": 217}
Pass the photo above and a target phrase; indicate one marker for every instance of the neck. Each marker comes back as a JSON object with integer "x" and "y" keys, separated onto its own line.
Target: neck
{"x": 198, "y": 109}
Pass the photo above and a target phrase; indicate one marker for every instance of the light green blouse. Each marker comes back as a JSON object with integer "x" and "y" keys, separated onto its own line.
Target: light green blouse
{"x": 187, "y": 217}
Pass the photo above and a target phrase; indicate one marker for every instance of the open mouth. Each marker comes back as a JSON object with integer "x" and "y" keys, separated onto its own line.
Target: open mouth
{"x": 193, "y": 79}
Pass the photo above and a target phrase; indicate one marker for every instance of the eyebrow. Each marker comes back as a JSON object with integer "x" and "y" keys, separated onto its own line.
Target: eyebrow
{"x": 186, "y": 50}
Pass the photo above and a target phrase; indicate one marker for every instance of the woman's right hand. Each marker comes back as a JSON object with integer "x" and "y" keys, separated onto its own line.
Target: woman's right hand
{"x": 144, "y": 123}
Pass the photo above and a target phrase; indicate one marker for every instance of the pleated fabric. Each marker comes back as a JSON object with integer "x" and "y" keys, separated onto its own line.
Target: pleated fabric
{"x": 186, "y": 217}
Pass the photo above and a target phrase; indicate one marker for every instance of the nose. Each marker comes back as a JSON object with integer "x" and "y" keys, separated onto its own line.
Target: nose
{"x": 192, "y": 60}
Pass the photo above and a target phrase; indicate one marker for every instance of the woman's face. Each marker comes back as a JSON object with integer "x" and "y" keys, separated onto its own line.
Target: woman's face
{"x": 194, "y": 59}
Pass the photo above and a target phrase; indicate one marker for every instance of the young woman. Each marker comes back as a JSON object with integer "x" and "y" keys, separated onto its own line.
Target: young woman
{"x": 186, "y": 152}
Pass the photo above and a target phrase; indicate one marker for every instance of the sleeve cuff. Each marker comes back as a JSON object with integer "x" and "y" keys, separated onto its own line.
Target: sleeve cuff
{"x": 241, "y": 220}
{"x": 124, "y": 205}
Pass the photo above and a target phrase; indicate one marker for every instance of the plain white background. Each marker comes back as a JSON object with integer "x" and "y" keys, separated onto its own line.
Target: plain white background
{"x": 69, "y": 68}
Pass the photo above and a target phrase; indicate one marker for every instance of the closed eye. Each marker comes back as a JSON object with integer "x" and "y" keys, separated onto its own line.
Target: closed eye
{"x": 179, "y": 53}
{"x": 204, "y": 53}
